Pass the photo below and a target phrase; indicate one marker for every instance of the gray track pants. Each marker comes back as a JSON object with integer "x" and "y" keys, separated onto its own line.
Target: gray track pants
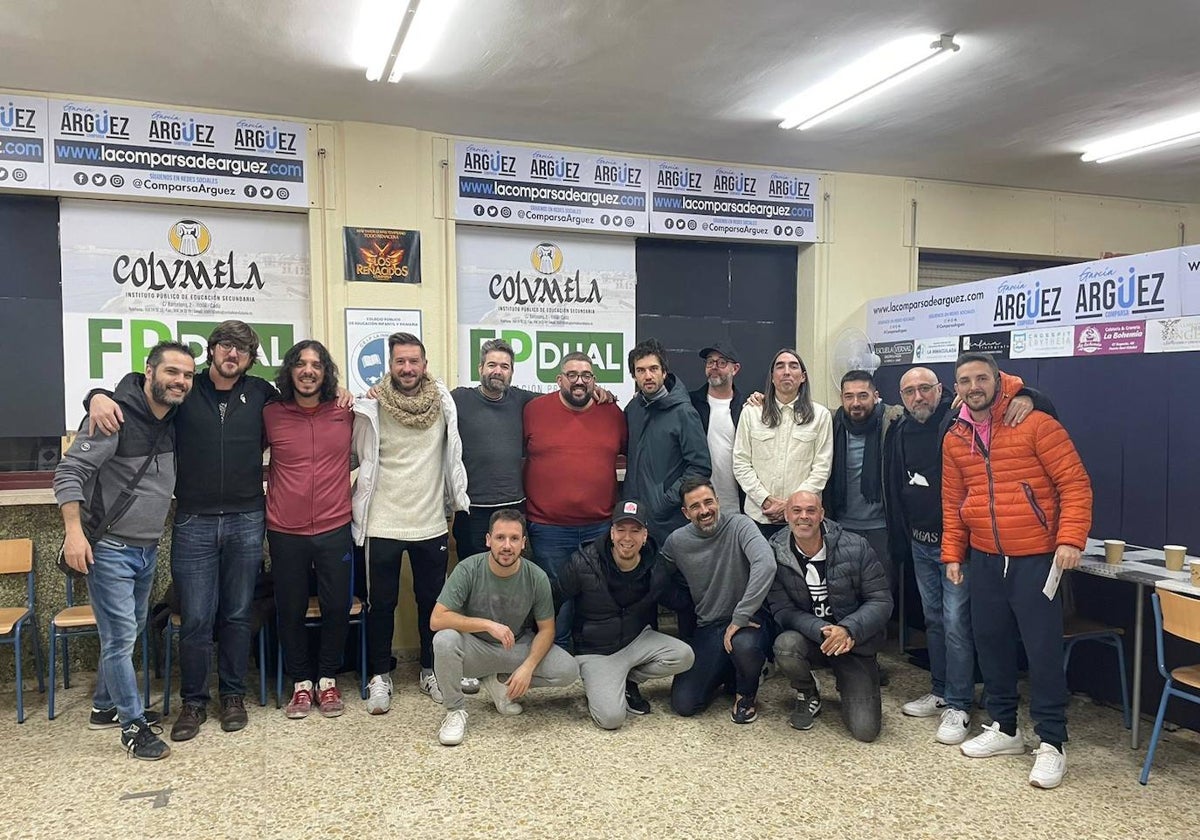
{"x": 651, "y": 654}
{"x": 457, "y": 655}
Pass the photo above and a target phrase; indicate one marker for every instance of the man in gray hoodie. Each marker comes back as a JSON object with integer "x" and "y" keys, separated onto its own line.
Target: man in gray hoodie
{"x": 115, "y": 492}
{"x": 728, "y": 567}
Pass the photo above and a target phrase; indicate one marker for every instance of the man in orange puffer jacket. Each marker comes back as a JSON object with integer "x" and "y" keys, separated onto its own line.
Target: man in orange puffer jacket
{"x": 1015, "y": 500}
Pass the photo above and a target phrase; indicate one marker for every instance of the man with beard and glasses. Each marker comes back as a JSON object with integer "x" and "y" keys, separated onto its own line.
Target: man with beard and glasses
{"x": 1016, "y": 506}
{"x": 410, "y": 479}
{"x": 616, "y": 583}
{"x": 719, "y": 404}
{"x": 217, "y": 538}
{"x": 481, "y": 623}
{"x": 113, "y": 530}
{"x": 308, "y": 522}
{"x": 728, "y": 567}
{"x": 912, "y": 479}
{"x": 571, "y": 449}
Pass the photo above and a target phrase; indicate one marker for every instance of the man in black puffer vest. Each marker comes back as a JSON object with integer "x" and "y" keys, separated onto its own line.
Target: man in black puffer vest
{"x": 831, "y": 599}
{"x": 617, "y": 584}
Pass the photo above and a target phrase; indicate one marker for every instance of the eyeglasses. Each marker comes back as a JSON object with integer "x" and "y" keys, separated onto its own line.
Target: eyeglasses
{"x": 925, "y": 388}
{"x": 230, "y": 347}
{"x": 576, "y": 376}
{"x": 717, "y": 363}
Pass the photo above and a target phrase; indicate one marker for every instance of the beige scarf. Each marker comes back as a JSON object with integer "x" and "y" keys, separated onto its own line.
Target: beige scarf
{"x": 416, "y": 412}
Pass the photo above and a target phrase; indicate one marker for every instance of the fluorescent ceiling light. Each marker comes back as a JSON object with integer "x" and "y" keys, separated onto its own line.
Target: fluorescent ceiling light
{"x": 1149, "y": 139}
{"x": 869, "y": 76}
{"x": 395, "y": 37}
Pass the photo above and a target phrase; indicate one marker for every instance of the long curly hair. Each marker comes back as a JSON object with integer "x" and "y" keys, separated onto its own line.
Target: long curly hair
{"x": 283, "y": 379}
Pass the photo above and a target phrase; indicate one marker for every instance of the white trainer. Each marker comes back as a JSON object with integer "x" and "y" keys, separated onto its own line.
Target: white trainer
{"x": 428, "y": 685}
{"x": 991, "y": 741}
{"x": 379, "y": 694}
{"x": 454, "y": 728}
{"x": 930, "y": 705}
{"x": 1049, "y": 765}
{"x": 953, "y": 728}
{"x": 470, "y": 685}
{"x": 498, "y": 691}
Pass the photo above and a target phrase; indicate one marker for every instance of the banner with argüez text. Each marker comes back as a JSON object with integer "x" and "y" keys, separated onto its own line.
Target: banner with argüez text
{"x": 134, "y": 275}
{"x": 547, "y": 296}
{"x": 104, "y": 148}
{"x": 23, "y": 133}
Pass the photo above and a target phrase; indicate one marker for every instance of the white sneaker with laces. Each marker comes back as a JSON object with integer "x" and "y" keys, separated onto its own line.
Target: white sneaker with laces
{"x": 1049, "y": 765}
{"x": 929, "y": 705}
{"x": 428, "y": 685}
{"x": 953, "y": 728}
{"x": 454, "y": 728}
{"x": 991, "y": 741}
{"x": 499, "y": 694}
{"x": 379, "y": 694}
{"x": 470, "y": 685}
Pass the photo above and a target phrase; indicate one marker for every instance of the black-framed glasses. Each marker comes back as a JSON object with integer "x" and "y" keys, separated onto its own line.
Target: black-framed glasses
{"x": 231, "y": 346}
{"x": 579, "y": 376}
{"x": 717, "y": 363}
{"x": 925, "y": 389}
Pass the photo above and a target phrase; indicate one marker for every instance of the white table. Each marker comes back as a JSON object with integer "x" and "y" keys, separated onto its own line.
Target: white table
{"x": 1142, "y": 566}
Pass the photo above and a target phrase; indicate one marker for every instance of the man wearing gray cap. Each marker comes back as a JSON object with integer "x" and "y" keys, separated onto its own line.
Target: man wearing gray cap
{"x": 617, "y": 583}
{"x": 719, "y": 404}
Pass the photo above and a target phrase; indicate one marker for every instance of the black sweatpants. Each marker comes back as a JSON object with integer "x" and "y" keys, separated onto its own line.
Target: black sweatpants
{"x": 384, "y": 556}
{"x": 322, "y": 564}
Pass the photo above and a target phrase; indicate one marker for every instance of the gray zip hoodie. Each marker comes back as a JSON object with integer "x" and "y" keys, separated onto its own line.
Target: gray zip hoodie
{"x": 97, "y": 468}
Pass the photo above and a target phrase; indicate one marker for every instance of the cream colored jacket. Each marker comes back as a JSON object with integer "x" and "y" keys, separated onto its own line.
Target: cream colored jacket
{"x": 778, "y": 462}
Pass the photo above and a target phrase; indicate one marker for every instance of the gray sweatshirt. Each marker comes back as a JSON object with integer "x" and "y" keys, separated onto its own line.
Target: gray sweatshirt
{"x": 728, "y": 571}
{"x": 97, "y": 468}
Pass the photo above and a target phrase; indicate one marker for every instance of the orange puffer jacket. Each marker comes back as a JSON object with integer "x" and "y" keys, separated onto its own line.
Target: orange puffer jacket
{"x": 1027, "y": 495}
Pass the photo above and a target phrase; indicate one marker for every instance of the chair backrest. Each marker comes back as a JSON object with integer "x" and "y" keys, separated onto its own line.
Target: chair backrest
{"x": 16, "y": 557}
{"x": 1180, "y": 614}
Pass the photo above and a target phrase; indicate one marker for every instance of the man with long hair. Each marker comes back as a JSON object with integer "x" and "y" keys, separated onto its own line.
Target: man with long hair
{"x": 308, "y": 521}
{"x": 784, "y": 446}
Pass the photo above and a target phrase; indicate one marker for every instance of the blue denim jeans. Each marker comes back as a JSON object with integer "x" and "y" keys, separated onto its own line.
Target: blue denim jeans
{"x": 947, "y": 627}
{"x": 119, "y": 585}
{"x": 214, "y": 563}
{"x": 552, "y": 547}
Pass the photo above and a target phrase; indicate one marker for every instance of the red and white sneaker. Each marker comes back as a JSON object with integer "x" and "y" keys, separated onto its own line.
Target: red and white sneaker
{"x": 301, "y": 703}
{"x": 329, "y": 699}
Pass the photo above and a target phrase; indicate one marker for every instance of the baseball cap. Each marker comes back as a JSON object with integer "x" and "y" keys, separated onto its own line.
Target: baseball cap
{"x": 724, "y": 348}
{"x": 630, "y": 509}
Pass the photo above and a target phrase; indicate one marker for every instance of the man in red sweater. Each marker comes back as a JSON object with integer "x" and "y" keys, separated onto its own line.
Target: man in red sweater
{"x": 571, "y": 449}
{"x": 308, "y": 521}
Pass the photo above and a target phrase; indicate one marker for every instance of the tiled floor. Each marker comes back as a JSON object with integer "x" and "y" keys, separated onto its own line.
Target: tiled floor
{"x": 550, "y": 773}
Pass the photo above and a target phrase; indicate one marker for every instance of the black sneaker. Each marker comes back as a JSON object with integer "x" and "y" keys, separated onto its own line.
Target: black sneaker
{"x": 233, "y": 713}
{"x": 808, "y": 706}
{"x": 140, "y": 740}
{"x": 187, "y": 725}
{"x": 637, "y": 704}
{"x": 107, "y": 718}
{"x": 744, "y": 710}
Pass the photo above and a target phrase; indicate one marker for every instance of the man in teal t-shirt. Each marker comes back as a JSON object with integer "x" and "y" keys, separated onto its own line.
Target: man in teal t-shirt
{"x": 482, "y": 628}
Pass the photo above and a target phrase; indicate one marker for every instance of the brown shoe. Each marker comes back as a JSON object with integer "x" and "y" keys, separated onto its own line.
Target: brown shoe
{"x": 187, "y": 725}
{"x": 233, "y": 713}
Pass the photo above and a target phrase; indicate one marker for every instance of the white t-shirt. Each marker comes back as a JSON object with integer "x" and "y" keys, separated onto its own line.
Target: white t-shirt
{"x": 720, "y": 448}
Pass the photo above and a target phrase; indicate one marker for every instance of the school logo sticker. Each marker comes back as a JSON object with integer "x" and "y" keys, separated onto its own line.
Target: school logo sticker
{"x": 189, "y": 237}
{"x": 546, "y": 258}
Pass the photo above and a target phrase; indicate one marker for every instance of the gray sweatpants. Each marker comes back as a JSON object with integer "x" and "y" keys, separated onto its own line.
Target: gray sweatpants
{"x": 457, "y": 655}
{"x": 651, "y": 654}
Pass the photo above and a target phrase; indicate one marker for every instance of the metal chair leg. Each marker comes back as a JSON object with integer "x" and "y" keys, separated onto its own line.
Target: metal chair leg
{"x": 262, "y": 665}
{"x": 1156, "y": 734}
{"x": 166, "y": 635}
{"x": 66, "y": 660}
{"x": 20, "y": 682}
{"x": 53, "y": 661}
{"x": 37, "y": 658}
{"x": 1124, "y": 683}
{"x": 146, "y": 663}
{"x": 362, "y": 658}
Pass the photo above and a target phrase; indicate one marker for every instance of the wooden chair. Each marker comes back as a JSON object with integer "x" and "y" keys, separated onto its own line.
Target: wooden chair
{"x": 312, "y": 618}
{"x": 1178, "y": 615}
{"x": 16, "y": 558}
{"x": 75, "y": 621}
{"x": 1077, "y": 629}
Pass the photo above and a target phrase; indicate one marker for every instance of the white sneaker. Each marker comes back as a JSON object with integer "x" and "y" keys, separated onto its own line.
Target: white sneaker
{"x": 454, "y": 728}
{"x": 379, "y": 694}
{"x": 428, "y": 685}
{"x": 953, "y": 728}
{"x": 991, "y": 741}
{"x": 498, "y": 691}
{"x": 1048, "y": 767}
{"x": 470, "y": 685}
{"x": 928, "y": 706}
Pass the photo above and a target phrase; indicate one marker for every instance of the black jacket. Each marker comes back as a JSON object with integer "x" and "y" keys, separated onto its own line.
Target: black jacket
{"x": 699, "y": 399}
{"x": 859, "y": 593}
{"x": 666, "y": 442}
{"x": 895, "y": 476}
{"x": 602, "y": 625}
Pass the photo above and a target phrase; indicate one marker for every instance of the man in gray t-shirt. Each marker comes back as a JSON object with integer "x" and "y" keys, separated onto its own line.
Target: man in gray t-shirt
{"x": 481, "y": 622}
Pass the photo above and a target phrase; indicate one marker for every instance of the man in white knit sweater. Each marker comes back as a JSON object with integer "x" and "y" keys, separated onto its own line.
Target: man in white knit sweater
{"x": 411, "y": 477}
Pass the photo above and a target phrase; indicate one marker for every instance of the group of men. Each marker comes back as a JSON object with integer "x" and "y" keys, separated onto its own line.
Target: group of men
{"x": 528, "y": 474}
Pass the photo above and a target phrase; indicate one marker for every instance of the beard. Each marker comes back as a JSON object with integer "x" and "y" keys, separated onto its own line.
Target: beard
{"x": 577, "y": 399}
{"x": 716, "y": 380}
{"x": 163, "y": 396}
{"x": 495, "y": 383}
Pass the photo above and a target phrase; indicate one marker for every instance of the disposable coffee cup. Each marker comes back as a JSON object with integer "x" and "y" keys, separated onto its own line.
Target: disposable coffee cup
{"x": 1196, "y": 573}
{"x": 1114, "y": 551}
{"x": 1174, "y": 555}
